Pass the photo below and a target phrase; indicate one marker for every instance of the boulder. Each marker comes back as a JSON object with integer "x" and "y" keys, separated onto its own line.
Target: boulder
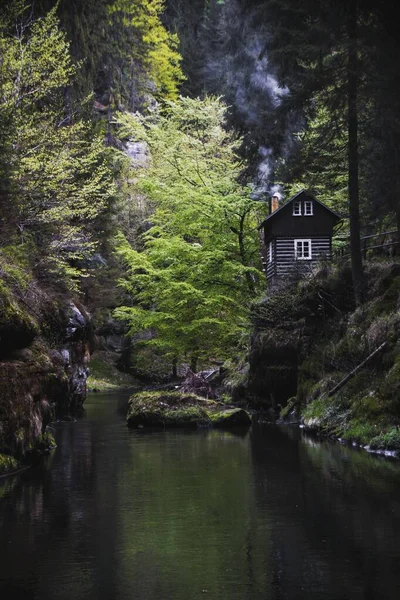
{"x": 231, "y": 417}
{"x": 179, "y": 409}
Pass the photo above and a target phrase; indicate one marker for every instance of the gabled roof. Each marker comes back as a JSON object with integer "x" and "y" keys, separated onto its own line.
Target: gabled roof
{"x": 292, "y": 199}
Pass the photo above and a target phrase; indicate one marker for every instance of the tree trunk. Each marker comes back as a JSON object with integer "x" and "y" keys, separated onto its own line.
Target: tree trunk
{"x": 193, "y": 363}
{"x": 397, "y": 190}
{"x": 397, "y": 210}
{"x": 132, "y": 91}
{"x": 175, "y": 368}
{"x": 355, "y": 371}
{"x": 353, "y": 182}
{"x": 242, "y": 250}
{"x": 109, "y": 117}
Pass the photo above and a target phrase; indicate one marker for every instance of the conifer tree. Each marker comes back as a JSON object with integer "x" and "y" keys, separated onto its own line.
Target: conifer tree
{"x": 319, "y": 55}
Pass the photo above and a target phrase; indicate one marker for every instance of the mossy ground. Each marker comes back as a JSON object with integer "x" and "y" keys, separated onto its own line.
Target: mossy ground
{"x": 179, "y": 409}
{"x": 8, "y": 464}
{"x": 367, "y": 426}
{"x": 331, "y": 337}
{"x": 366, "y": 410}
{"x": 104, "y": 375}
{"x": 386, "y": 441}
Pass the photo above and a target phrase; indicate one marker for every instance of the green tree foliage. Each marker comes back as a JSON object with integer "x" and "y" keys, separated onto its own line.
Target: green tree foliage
{"x": 196, "y": 272}
{"x": 161, "y": 58}
{"x": 128, "y": 55}
{"x": 143, "y": 54}
{"x": 86, "y": 23}
{"x": 320, "y": 162}
{"x": 56, "y": 179}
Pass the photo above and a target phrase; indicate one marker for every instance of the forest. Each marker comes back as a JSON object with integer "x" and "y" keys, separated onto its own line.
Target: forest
{"x": 199, "y": 300}
{"x": 140, "y": 143}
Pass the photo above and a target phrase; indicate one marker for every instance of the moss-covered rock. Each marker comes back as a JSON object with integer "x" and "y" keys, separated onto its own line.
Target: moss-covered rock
{"x": 177, "y": 409}
{"x": 387, "y": 441}
{"x": 45, "y": 342}
{"x": 39, "y": 381}
{"x": 18, "y": 328}
{"x": 231, "y": 417}
{"x": 290, "y": 412}
{"x": 44, "y": 443}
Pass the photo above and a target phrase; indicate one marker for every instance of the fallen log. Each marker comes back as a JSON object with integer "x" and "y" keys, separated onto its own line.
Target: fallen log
{"x": 354, "y": 371}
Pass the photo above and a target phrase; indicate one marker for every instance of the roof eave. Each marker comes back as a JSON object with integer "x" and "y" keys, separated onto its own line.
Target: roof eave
{"x": 339, "y": 217}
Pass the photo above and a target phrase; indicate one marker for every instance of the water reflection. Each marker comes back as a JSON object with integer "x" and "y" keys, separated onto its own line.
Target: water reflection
{"x": 121, "y": 514}
{"x": 336, "y": 517}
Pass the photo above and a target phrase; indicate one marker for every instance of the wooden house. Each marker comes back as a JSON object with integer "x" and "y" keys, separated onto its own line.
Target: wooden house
{"x": 296, "y": 235}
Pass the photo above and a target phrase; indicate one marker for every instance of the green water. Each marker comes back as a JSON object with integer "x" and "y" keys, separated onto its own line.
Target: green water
{"x": 117, "y": 514}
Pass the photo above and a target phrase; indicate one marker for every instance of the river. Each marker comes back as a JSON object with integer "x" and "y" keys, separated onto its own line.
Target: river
{"x": 116, "y": 514}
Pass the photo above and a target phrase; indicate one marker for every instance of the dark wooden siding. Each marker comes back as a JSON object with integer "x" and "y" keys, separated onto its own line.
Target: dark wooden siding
{"x": 321, "y": 223}
{"x": 270, "y": 266}
{"x": 285, "y": 262}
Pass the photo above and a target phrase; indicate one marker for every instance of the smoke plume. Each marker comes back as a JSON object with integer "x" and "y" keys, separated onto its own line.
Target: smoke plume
{"x": 237, "y": 66}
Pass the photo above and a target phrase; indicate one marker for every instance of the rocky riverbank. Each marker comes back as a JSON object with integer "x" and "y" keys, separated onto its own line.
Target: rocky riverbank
{"x": 309, "y": 337}
{"x": 44, "y": 354}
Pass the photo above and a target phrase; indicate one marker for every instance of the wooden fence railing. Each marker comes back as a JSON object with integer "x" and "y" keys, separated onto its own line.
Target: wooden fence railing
{"x": 385, "y": 242}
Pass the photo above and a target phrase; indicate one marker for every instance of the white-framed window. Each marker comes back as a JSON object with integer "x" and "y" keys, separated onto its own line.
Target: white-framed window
{"x": 302, "y": 249}
{"x": 270, "y": 252}
{"x": 308, "y": 208}
{"x": 297, "y": 209}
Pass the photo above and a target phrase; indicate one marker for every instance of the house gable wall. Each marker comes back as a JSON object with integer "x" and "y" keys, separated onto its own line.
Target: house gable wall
{"x": 284, "y": 231}
{"x": 285, "y": 223}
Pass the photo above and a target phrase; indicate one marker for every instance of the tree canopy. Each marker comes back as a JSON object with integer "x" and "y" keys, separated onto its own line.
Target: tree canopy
{"x": 309, "y": 99}
{"x": 195, "y": 271}
{"x": 55, "y": 173}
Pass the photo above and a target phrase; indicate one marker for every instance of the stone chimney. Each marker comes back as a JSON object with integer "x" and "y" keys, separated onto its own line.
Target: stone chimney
{"x": 274, "y": 203}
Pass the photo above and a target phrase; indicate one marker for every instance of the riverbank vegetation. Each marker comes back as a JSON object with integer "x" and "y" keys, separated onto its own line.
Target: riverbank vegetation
{"x": 326, "y": 341}
{"x": 105, "y": 376}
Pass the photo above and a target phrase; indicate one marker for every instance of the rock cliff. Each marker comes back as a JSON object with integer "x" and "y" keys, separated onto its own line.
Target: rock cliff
{"x": 44, "y": 353}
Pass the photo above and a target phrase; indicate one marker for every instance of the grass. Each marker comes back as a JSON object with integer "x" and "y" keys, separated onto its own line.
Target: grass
{"x": 387, "y": 441}
{"x": 362, "y": 420}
